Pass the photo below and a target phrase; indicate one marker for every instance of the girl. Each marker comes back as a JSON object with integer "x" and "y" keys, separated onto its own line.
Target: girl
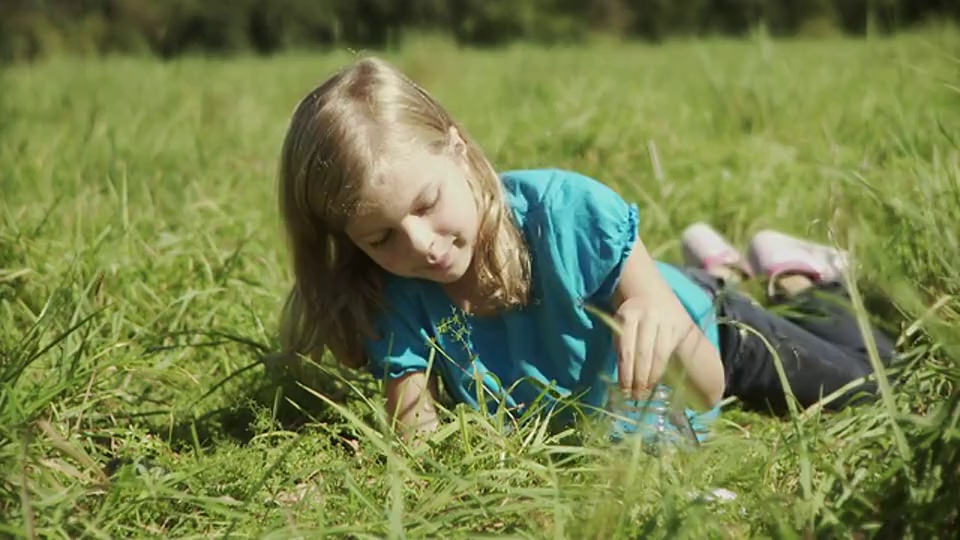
{"x": 415, "y": 260}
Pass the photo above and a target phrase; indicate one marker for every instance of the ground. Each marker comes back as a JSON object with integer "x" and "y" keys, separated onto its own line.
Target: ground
{"x": 142, "y": 267}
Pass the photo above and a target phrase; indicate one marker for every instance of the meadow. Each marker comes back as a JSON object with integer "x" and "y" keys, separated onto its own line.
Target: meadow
{"x": 142, "y": 267}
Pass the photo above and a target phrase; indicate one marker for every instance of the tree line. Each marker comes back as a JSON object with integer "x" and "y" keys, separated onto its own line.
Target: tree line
{"x": 31, "y": 29}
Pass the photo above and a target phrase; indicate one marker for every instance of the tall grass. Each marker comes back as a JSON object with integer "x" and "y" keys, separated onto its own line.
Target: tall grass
{"x": 141, "y": 270}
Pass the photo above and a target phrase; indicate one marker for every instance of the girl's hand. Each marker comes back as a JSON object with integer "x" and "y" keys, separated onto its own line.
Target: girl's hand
{"x": 411, "y": 405}
{"x": 650, "y": 334}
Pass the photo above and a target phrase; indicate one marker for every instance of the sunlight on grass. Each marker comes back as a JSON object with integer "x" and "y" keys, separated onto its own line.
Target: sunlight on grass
{"x": 142, "y": 269}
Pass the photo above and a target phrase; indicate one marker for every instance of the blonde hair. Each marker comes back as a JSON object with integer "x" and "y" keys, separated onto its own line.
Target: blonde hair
{"x": 338, "y": 135}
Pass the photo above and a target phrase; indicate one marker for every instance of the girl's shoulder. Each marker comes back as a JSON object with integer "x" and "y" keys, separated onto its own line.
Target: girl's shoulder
{"x": 532, "y": 189}
{"x": 562, "y": 197}
{"x": 553, "y": 192}
{"x": 577, "y": 230}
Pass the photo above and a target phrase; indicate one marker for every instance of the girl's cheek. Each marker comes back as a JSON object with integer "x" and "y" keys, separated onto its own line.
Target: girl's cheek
{"x": 390, "y": 259}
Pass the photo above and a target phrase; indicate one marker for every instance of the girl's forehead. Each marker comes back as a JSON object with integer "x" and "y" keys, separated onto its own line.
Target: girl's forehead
{"x": 406, "y": 172}
{"x": 387, "y": 192}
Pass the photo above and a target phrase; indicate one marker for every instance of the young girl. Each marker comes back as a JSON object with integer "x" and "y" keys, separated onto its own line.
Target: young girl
{"x": 416, "y": 260}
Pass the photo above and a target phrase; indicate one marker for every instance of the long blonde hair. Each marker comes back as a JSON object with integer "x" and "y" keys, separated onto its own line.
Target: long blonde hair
{"x": 337, "y": 136}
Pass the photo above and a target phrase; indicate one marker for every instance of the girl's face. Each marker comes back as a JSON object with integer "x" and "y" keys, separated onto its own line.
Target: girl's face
{"x": 419, "y": 219}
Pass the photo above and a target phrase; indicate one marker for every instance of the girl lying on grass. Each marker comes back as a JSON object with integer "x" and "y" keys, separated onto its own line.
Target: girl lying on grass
{"x": 416, "y": 260}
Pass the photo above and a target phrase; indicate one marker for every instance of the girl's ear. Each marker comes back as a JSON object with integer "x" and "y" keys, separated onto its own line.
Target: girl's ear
{"x": 456, "y": 143}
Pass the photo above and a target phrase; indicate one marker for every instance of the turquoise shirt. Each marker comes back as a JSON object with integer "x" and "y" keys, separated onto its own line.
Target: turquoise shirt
{"x": 579, "y": 233}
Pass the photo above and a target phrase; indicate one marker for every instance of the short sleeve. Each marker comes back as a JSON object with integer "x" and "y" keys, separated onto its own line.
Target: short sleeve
{"x": 594, "y": 230}
{"x": 401, "y": 346}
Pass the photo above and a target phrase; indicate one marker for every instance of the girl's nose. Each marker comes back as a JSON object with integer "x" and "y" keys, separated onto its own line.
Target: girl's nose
{"x": 420, "y": 235}
{"x": 432, "y": 255}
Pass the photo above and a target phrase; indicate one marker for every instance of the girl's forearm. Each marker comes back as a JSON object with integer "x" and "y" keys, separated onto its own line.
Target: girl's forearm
{"x": 411, "y": 408}
{"x": 700, "y": 368}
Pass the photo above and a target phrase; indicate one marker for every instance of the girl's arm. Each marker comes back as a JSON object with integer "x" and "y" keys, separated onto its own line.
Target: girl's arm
{"x": 657, "y": 327}
{"x": 410, "y": 404}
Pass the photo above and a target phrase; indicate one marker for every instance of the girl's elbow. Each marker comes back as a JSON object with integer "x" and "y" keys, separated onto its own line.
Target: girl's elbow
{"x": 716, "y": 384}
{"x": 715, "y": 395}
{"x": 709, "y": 398}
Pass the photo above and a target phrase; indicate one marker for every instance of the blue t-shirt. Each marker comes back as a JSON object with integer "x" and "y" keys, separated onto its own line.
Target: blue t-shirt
{"x": 579, "y": 233}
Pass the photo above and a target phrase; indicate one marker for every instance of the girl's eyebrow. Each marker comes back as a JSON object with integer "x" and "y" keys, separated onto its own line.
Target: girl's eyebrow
{"x": 416, "y": 200}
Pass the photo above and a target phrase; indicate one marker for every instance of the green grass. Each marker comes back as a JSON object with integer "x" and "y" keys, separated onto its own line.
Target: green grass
{"x": 142, "y": 267}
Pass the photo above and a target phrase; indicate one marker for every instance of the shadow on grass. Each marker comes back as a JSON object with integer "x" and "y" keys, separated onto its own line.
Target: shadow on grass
{"x": 271, "y": 403}
{"x": 266, "y": 395}
{"x": 252, "y": 408}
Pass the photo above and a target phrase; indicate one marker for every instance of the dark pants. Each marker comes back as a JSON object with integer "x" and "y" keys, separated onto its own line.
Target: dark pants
{"x": 816, "y": 336}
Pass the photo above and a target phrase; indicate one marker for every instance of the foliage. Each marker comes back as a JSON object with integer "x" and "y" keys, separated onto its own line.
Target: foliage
{"x": 141, "y": 271}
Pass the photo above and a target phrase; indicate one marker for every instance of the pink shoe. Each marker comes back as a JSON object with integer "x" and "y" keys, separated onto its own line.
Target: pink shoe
{"x": 704, "y": 247}
{"x": 772, "y": 253}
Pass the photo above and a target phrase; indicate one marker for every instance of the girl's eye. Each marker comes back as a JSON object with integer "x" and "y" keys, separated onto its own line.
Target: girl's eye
{"x": 382, "y": 241}
{"x": 429, "y": 205}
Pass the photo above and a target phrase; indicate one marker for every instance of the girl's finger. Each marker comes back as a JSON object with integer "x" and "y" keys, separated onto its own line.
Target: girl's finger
{"x": 646, "y": 337}
{"x": 663, "y": 349}
{"x": 627, "y": 353}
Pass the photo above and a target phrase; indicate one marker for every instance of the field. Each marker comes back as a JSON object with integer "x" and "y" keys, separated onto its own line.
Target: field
{"x": 142, "y": 267}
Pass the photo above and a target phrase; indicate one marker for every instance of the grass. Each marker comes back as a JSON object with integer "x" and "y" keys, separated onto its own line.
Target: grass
{"x": 142, "y": 267}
